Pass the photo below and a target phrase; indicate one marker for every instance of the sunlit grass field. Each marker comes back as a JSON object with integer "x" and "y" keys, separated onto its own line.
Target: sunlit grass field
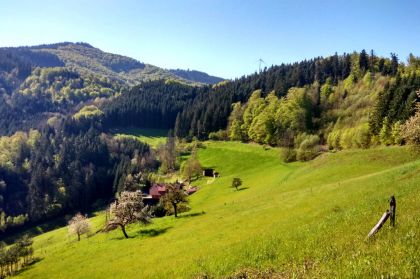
{"x": 299, "y": 220}
{"x": 153, "y": 137}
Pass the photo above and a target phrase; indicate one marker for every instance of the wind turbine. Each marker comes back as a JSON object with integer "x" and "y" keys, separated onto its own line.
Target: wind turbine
{"x": 260, "y": 61}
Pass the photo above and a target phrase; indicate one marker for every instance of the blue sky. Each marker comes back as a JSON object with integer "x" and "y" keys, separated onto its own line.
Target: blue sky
{"x": 221, "y": 37}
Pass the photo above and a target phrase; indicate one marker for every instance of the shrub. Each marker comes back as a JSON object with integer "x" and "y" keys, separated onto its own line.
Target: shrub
{"x": 308, "y": 147}
{"x": 346, "y": 139}
{"x": 396, "y": 133}
{"x": 356, "y": 137}
{"x": 333, "y": 140}
{"x": 410, "y": 131}
{"x": 362, "y": 136}
{"x": 385, "y": 133}
{"x": 219, "y": 135}
{"x": 374, "y": 140}
{"x": 288, "y": 155}
{"x": 158, "y": 210}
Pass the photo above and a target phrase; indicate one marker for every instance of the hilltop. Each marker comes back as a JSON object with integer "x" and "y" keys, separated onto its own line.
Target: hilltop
{"x": 196, "y": 76}
{"x": 86, "y": 59}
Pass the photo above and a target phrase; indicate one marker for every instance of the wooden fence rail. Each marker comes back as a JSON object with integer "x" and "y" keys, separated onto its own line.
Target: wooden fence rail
{"x": 388, "y": 214}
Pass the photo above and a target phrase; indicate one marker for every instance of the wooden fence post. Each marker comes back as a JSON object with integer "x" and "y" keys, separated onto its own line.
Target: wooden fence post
{"x": 388, "y": 214}
{"x": 392, "y": 210}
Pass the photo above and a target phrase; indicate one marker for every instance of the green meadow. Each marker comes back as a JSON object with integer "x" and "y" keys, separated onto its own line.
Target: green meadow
{"x": 298, "y": 220}
{"x": 153, "y": 137}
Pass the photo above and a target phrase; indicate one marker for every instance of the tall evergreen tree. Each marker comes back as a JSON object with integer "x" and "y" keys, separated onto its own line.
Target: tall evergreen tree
{"x": 363, "y": 61}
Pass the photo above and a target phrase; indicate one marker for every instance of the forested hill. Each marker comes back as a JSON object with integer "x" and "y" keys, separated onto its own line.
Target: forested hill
{"x": 85, "y": 58}
{"x": 196, "y": 76}
{"x": 39, "y": 82}
{"x": 318, "y": 96}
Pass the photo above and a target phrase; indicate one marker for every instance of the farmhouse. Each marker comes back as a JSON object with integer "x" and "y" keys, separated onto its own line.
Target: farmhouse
{"x": 159, "y": 189}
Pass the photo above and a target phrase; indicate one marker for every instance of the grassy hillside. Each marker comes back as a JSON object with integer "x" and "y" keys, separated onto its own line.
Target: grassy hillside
{"x": 153, "y": 137}
{"x": 294, "y": 220}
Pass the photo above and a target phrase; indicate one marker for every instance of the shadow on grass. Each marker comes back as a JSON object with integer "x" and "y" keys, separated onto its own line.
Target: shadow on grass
{"x": 153, "y": 232}
{"x": 243, "y": 188}
{"x": 33, "y": 230}
{"x": 122, "y": 237}
{"x": 41, "y": 227}
{"x": 189, "y": 215}
{"x": 27, "y": 266}
{"x": 210, "y": 167}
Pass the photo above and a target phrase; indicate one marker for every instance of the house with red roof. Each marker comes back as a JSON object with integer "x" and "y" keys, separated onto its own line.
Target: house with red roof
{"x": 157, "y": 190}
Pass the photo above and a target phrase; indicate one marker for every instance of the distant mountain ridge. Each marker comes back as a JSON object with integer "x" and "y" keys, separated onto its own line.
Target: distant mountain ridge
{"x": 196, "y": 76}
{"x": 86, "y": 59}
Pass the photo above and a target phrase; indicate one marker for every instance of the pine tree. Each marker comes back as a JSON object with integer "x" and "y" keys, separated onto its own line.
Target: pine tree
{"x": 363, "y": 61}
{"x": 394, "y": 64}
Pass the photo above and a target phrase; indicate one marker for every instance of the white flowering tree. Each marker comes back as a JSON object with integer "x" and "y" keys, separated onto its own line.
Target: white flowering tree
{"x": 79, "y": 225}
{"x": 128, "y": 209}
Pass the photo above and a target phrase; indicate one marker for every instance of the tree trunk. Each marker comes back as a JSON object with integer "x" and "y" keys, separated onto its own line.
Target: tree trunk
{"x": 123, "y": 230}
{"x": 175, "y": 210}
{"x": 78, "y": 237}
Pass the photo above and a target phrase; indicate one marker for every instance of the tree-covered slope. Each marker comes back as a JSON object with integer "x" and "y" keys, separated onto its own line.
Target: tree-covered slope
{"x": 342, "y": 99}
{"x": 89, "y": 60}
{"x": 39, "y": 81}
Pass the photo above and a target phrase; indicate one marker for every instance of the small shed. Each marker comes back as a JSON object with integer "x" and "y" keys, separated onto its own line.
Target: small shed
{"x": 208, "y": 172}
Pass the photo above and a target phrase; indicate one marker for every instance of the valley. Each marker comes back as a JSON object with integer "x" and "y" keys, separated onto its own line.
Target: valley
{"x": 209, "y": 139}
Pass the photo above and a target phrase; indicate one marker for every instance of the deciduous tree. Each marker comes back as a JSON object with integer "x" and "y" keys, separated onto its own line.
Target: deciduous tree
{"x": 174, "y": 197}
{"x": 411, "y": 128}
{"x": 128, "y": 209}
{"x": 79, "y": 225}
{"x": 236, "y": 183}
{"x": 192, "y": 166}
